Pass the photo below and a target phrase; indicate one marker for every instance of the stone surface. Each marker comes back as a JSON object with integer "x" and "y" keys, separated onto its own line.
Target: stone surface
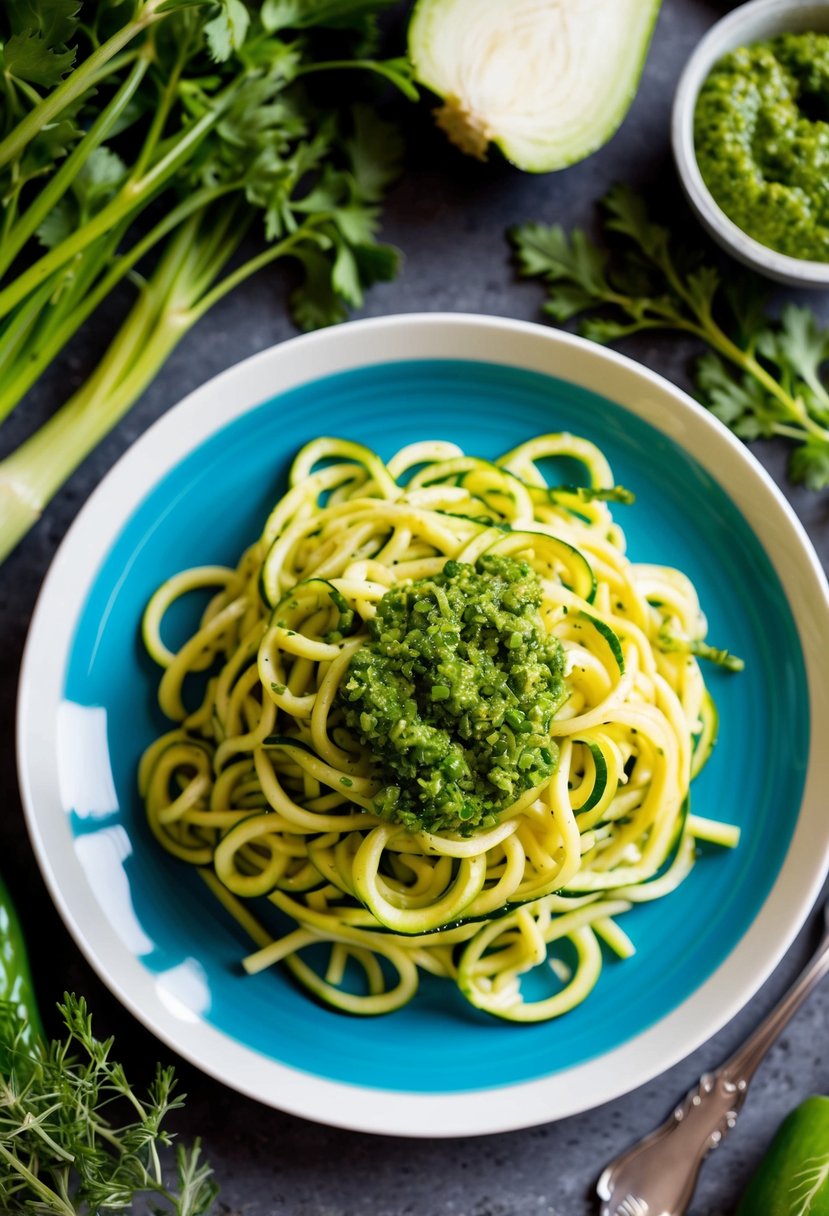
{"x": 449, "y": 216}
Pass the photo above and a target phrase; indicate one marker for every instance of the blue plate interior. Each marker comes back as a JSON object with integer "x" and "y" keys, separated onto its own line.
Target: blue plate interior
{"x": 214, "y": 503}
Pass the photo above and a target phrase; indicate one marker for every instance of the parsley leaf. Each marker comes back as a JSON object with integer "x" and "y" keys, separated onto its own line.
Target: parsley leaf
{"x": 28, "y": 57}
{"x": 94, "y": 186}
{"x": 316, "y": 303}
{"x": 55, "y": 21}
{"x": 375, "y": 153}
{"x": 36, "y": 49}
{"x": 377, "y": 263}
{"x": 572, "y": 261}
{"x": 761, "y": 375}
{"x": 226, "y": 32}
{"x": 809, "y": 464}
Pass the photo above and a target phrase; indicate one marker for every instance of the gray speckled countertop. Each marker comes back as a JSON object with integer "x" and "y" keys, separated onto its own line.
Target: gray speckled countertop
{"x": 449, "y": 216}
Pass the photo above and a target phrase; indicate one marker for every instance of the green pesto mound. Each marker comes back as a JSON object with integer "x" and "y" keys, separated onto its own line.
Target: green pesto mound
{"x": 454, "y": 693}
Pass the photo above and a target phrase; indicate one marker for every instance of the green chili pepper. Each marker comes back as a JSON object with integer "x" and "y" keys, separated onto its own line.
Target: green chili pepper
{"x": 16, "y": 987}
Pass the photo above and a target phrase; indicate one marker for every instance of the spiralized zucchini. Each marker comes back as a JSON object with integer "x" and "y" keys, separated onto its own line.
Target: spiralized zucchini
{"x": 263, "y": 789}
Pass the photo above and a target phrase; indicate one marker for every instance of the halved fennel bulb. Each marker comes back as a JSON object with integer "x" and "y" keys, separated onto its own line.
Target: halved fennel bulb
{"x": 548, "y": 81}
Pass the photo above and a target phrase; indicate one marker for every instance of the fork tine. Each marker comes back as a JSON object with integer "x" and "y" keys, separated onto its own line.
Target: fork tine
{"x": 632, "y": 1206}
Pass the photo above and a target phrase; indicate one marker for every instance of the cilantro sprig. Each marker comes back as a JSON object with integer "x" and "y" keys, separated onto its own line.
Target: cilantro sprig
{"x": 761, "y": 374}
{"x": 181, "y": 146}
{"x": 76, "y": 1138}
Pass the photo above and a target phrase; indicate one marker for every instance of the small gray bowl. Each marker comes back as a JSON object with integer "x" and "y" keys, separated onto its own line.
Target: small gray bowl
{"x": 751, "y": 22}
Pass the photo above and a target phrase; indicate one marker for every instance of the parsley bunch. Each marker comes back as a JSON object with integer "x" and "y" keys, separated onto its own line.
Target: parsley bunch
{"x": 75, "y": 1137}
{"x": 144, "y": 140}
{"x": 761, "y": 374}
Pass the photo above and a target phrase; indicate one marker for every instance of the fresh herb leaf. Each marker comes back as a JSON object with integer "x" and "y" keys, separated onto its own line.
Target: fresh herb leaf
{"x": 377, "y": 263}
{"x": 55, "y": 21}
{"x": 226, "y": 32}
{"x": 627, "y": 214}
{"x": 98, "y": 179}
{"x": 567, "y": 300}
{"x": 345, "y": 276}
{"x": 375, "y": 153}
{"x": 357, "y": 222}
{"x": 809, "y": 464}
{"x": 605, "y": 329}
{"x": 29, "y": 57}
{"x": 734, "y": 398}
{"x": 316, "y": 302}
{"x": 36, "y": 49}
{"x": 94, "y": 186}
{"x": 58, "y": 225}
{"x": 549, "y": 252}
{"x": 76, "y": 1138}
{"x": 761, "y": 374}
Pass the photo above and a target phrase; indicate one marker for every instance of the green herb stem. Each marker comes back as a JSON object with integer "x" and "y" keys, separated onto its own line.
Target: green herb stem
{"x": 162, "y": 111}
{"x": 57, "y": 186}
{"x": 160, "y": 318}
{"x": 75, "y": 84}
{"x": 256, "y": 263}
{"x": 17, "y": 331}
{"x": 794, "y": 407}
{"x": 53, "y": 1201}
{"x": 47, "y": 345}
{"x": 64, "y": 300}
{"x": 75, "y": 1137}
{"x": 129, "y": 200}
{"x": 176, "y": 297}
{"x": 388, "y": 72}
{"x": 707, "y": 329}
{"x": 9, "y": 216}
{"x": 215, "y": 177}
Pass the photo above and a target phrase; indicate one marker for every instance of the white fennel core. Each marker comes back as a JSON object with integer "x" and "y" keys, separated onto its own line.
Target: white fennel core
{"x": 547, "y": 80}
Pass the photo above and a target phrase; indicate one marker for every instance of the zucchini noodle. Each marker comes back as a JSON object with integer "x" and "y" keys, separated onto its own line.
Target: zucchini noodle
{"x": 265, "y": 790}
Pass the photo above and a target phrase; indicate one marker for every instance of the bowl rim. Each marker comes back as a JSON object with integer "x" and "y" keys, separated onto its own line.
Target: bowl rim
{"x": 201, "y": 414}
{"x": 722, "y": 37}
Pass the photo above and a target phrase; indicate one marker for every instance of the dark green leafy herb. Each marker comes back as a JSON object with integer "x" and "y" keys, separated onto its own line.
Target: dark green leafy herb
{"x": 761, "y": 375}
{"x": 76, "y": 1139}
{"x": 36, "y": 52}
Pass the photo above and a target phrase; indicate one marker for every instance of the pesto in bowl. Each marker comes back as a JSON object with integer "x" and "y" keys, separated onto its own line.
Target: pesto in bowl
{"x": 761, "y": 137}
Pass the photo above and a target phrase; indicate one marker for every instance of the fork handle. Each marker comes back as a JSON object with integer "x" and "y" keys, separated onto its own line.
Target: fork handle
{"x": 664, "y": 1166}
{"x": 742, "y": 1065}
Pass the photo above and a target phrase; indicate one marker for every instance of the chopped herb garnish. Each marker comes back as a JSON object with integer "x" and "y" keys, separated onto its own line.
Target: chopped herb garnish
{"x": 454, "y": 692}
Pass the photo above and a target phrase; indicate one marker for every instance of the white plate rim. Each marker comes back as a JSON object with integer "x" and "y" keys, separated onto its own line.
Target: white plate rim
{"x": 210, "y": 407}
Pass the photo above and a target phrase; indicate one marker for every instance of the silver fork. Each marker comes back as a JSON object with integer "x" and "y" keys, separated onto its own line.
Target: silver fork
{"x": 657, "y": 1176}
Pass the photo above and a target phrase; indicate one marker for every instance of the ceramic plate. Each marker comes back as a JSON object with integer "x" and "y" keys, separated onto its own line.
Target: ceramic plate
{"x": 195, "y": 489}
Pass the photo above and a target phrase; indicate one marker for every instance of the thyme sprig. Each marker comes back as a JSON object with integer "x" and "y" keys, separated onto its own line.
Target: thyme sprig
{"x": 77, "y": 1139}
